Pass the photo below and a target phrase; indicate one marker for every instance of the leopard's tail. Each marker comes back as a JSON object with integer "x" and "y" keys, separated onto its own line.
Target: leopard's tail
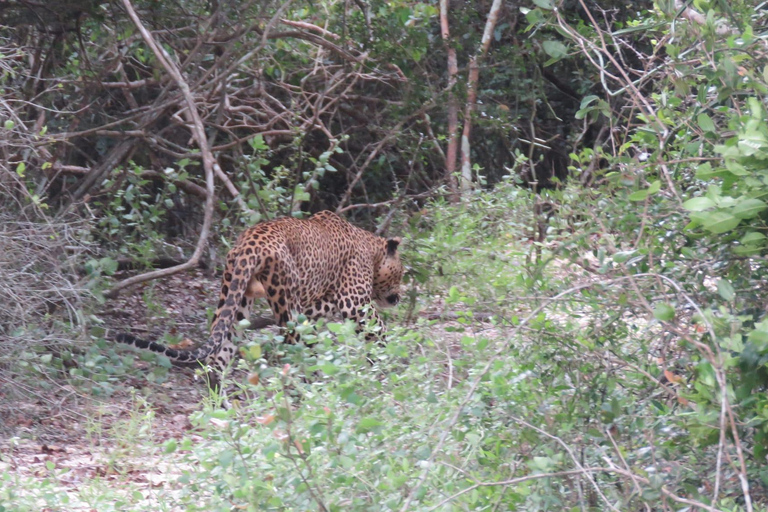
{"x": 180, "y": 357}
{"x": 233, "y": 290}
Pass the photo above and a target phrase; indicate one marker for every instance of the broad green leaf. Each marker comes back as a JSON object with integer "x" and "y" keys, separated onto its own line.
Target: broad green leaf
{"x": 225, "y": 458}
{"x": 735, "y": 168}
{"x": 20, "y": 169}
{"x": 753, "y": 237}
{"x": 622, "y": 256}
{"x": 664, "y": 312}
{"x": 254, "y": 351}
{"x": 753, "y": 143}
{"x": 367, "y": 424}
{"x": 170, "y": 446}
{"x": 725, "y": 289}
{"x": 329, "y": 369}
{"x": 9, "y": 124}
{"x": 587, "y": 100}
{"x": 758, "y": 336}
{"x": 706, "y": 374}
{"x": 749, "y": 208}
{"x": 705, "y": 122}
{"x": 698, "y": 204}
{"x": 719, "y": 222}
{"x": 544, "y": 4}
{"x": 555, "y": 49}
{"x": 642, "y": 194}
{"x": 747, "y": 250}
{"x": 755, "y": 108}
{"x": 705, "y": 172}
{"x": 108, "y": 265}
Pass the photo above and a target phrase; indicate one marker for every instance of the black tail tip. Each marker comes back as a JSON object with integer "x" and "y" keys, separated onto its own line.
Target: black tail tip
{"x": 124, "y": 338}
{"x": 130, "y": 339}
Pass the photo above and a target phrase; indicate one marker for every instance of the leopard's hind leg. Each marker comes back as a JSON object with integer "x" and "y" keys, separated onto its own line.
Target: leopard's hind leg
{"x": 280, "y": 281}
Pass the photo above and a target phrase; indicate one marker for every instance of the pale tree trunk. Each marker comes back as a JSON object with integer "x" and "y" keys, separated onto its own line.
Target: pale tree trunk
{"x": 453, "y": 107}
{"x": 474, "y": 75}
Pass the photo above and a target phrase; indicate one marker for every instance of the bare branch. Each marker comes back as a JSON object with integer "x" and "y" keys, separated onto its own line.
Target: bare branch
{"x": 208, "y": 161}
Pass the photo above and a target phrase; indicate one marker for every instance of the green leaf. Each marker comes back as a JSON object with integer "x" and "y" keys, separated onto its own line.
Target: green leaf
{"x": 544, "y": 4}
{"x": 170, "y": 446}
{"x": 719, "y": 222}
{"x": 8, "y": 125}
{"x": 329, "y": 368}
{"x": 698, "y": 204}
{"x": 747, "y": 250}
{"x": 749, "y": 208}
{"x": 735, "y": 167}
{"x": 555, "y": 49}
{"x": 622, "y": 256}
{"x": 541, "y": 463}
{"x": 258, "y": 144}
{"x": 725, "y": 289}
{"x": 225, "y": 458}
{"x": 587, "y": 100}
{"x": 108, "y": 266}
{"x": 705, "y": 172}
{"x": 21, "y": 168}
{"x": 751, "y": 238}
{"x": 367, "y": 424}
{"x": 752, "y": 143}
{"x": 705, "y": 122}
{"x": 254, "y": 351}
{"x": 642, "y": 194}
{"x": 664, "y": 312}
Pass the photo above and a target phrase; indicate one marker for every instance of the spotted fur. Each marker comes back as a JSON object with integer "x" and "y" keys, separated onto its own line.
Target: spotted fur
{"x": 322, "y": 267}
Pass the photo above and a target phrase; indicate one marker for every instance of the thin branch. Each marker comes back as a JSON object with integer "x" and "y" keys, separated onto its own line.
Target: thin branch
{"x": 198, "y": 132}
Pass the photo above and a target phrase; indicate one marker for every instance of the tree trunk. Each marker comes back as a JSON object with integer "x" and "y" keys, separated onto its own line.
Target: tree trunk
{"x": 474, "y": 76}
{"x": 453, "y": 107}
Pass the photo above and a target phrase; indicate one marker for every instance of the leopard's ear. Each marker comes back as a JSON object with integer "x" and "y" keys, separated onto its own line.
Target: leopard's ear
{"x": 392, "y": 244}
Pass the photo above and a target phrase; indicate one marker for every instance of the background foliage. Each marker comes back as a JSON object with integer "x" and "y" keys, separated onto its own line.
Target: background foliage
{"x": 584, "y": 325}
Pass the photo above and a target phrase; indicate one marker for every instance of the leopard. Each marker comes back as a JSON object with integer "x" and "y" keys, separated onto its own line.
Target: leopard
{"x": 321, "y": 267}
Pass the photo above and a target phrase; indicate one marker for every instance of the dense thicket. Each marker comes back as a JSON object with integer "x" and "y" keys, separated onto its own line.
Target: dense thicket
{"x": 335, "y": 104}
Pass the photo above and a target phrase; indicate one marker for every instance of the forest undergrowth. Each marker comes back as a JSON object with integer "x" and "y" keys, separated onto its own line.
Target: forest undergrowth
{"x": 521, "y": 375}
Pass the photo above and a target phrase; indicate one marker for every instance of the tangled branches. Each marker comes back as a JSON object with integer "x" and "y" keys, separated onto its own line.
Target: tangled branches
{"x": 296, "y": 87}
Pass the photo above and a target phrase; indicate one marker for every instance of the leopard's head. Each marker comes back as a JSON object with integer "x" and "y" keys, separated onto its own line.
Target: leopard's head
{"x": 388, "y": 275}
